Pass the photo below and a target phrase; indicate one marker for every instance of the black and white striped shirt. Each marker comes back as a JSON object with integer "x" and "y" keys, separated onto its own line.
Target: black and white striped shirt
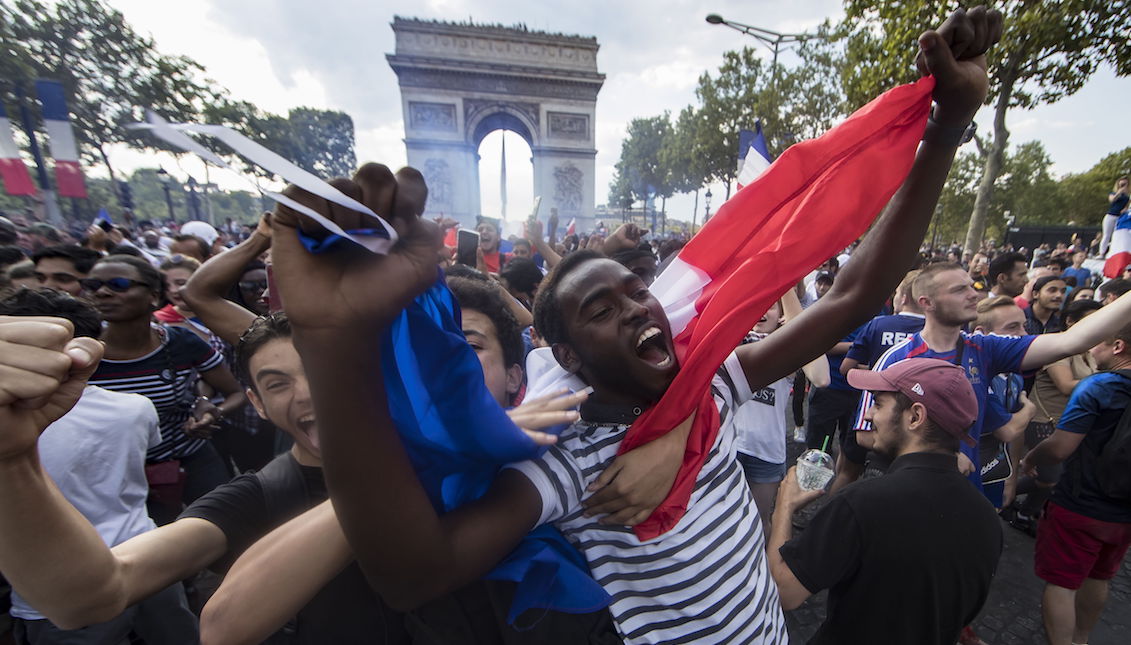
{"x": 166, "y": 376}
{"x": 705, "y": 581}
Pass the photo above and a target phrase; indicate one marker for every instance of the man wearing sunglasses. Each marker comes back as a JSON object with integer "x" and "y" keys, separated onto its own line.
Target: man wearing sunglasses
{"x": 63, "y": 267}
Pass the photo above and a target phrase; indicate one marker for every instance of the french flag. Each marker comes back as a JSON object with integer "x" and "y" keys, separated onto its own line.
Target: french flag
{"x": 571, "y": 228}
{"x": 1119, "y": 253}
{"x": 750, "y": 166}
{"x": 17, "y": 181}
{"x": 68, "y": 174}
{"x": 817, "y": 198}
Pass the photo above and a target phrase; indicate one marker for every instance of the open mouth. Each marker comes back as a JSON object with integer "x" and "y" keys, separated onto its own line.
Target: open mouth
{"x": 652, "y": 349}
{"x": 307, "y": 426}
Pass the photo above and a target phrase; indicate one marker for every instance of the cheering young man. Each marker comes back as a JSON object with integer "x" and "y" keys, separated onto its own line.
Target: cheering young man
{"x": 706, "y": 578}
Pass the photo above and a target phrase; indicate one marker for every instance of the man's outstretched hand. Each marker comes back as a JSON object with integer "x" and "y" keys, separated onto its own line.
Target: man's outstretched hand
{"x": 349, "y": 290}
{"x": 955, "y": 55}
{"x": 43, "y": 370}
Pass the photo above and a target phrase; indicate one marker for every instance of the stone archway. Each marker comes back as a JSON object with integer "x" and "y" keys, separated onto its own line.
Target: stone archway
{"x": 459, "y": 82}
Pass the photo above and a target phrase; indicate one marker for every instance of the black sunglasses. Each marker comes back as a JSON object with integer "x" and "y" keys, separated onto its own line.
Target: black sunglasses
{"x": 119, "y": 285}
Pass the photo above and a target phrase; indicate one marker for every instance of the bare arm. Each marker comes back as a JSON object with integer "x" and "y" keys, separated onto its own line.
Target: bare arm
{"x": 849, "y": 364}
{"x": 546, "y": 250}
{"x": 208, "y": 286}
{"x": 221, "y": 379}
{"x": 275, "y": 578}
{"x": 1061, "y": 374}
{"x": 817, "y": 370}
{"x": 72, "y": 577}
{"x": 1015, "y": 427}
{"x": 892, "y": 244}
{"x": 790, "y": 498}
{"x": 337, "y": 320}
{"x": 1084, "y": 335}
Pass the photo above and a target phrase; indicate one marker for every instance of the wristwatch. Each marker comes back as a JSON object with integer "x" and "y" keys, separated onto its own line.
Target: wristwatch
{"x": 948, "y": 135}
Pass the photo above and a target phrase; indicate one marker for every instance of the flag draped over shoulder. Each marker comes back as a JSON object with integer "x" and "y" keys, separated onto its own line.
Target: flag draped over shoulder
{"x": 1119, "y": 252}
{"x": 817, "y": 198}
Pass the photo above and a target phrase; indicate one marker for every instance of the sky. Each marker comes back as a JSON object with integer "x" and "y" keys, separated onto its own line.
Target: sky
{"x": 330, "y": 54}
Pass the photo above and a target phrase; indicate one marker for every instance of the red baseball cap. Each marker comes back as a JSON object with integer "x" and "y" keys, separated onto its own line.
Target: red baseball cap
{"x": 940, "y": 386}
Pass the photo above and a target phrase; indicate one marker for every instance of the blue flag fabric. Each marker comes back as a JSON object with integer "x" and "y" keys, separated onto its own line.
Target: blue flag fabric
{"x": 458, "y": 437}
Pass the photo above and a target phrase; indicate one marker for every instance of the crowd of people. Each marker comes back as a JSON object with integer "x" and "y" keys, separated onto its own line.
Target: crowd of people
{"x": 181, "y": 401}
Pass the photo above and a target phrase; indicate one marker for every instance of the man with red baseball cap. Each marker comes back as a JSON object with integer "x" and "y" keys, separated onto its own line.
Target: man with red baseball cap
{"x": 920, "y": 532}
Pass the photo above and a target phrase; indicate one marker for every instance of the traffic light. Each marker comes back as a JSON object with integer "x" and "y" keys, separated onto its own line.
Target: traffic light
{"x": 125, "y": 195}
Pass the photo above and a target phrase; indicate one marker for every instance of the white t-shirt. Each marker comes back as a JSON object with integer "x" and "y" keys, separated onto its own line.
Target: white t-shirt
{"x": 761, "y": 421}
{"x": 704, "y": 581}
{"x": 95, "y": 454}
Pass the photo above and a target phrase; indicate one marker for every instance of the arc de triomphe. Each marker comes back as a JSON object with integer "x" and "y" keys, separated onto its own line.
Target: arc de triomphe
{"x": 460, "y": 82}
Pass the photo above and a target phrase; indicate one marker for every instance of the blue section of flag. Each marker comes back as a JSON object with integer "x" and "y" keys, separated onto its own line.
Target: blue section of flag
{"x": 753, "y": 140}
{"x": 52, "y": 98}
{"x": 103, "y": 216}
{"x": 458, "y": 437}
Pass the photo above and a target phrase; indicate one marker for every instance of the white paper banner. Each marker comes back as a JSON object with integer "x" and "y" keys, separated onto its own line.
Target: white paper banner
{"x": 271, "y": 162}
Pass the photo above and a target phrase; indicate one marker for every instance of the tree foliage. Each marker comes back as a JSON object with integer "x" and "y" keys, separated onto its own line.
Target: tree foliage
{"x": 1048, "y": 51}
{"x": 798, "y": 102}
{"x": 108, "y": 70}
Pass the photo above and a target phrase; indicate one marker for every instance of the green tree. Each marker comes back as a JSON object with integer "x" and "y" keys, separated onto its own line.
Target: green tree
{"x": 642, "y": 168}
{"x": 108, "y": 70}
{"x": 1084, "y": 194}
{"x": 1049, "y": 50}
{"x": 795, "y": 103}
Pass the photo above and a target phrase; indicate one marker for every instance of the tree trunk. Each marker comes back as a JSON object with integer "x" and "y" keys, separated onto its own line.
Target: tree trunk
{"x": 992, "y": 169}
{"x": 663, "y": 214}
{"x": 110, "y": 170}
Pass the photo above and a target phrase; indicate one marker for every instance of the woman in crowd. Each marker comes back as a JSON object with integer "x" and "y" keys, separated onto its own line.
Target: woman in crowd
{"x": 163, "y": 364}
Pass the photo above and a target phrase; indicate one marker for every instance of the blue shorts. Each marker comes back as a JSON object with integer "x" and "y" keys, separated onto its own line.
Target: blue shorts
{"x": 759, "y": 471}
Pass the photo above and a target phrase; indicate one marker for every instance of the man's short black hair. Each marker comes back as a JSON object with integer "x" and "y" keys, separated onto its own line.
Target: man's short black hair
{"x": 1077, "y": 309}
{"x": 463, "y": 271}
{"x": 126, "y": 249}
{"x": 1044, "y": 280}
{"x": 522, "y": 242}
{"x": 146, "y": 272}
{"x": 547, "y": 308}
{"x": 9, "y": 234}
{"x": 1116, "y": 287}
{"x": 522, "y": 275}
{"x": 10, "y": 255}
{"x": 1003, "y": 263}
{"x": 262, "y": 331}
{"x": 205, "y": 248}
{"x": 488, "y": 300}
{"x": 1060, "y": 262}
{"x": 84, "y": 259}
{"x": 631, "y": 255}
{"x": 49, "y": 302}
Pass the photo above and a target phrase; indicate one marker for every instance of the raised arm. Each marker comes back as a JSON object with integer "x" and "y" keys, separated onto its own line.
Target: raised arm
{"x": 816, "y": 370}
{"x": 890, "y": 247}
{"x": 546, "y": 250}
{"x": 206, "y": 291}
{"x": 408, "y": 552}
{"x": 275, "y": 578}
{"x": 72, "y": 577}
{"x": 1084, "y": 335}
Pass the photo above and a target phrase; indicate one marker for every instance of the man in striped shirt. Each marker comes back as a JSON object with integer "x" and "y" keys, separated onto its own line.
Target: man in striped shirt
{"x": 703, "y": 581}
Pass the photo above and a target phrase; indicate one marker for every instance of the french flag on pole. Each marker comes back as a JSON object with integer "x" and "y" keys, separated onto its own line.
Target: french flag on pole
{"x": 1119, "y": 253}
{"x": 68, "y": 174}
{"x": 571, "y": 228}
{"x": 17, "y": 181}
{"x": 817, "y": 198}
{"x": 750, "y": 166}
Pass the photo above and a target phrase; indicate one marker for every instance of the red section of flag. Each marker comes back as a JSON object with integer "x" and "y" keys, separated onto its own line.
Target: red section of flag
{"x": 17, "y": 181}
{"x": 68, "y": 179}
{"x": 761, "y": 242}
{"x": 1116, "y": 263}
{"x": 571, "y": 228}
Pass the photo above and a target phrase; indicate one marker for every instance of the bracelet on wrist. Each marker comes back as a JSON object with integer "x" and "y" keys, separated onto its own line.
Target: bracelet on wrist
{"x": 948, "y": 135}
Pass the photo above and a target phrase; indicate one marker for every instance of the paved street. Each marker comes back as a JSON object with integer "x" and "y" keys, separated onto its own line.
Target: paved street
{"x": 1012, "y": 615}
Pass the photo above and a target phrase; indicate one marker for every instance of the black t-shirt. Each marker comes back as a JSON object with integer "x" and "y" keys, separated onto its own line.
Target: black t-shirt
{"x": 907, "y": 557}
{"x": 344, "y": 611}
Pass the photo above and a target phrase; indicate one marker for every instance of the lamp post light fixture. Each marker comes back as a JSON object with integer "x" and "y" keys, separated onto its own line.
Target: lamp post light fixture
{"x": 165, "y": 179}
{"x": 773, "y": 40}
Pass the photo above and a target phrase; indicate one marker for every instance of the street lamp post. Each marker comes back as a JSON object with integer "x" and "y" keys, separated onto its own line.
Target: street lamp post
{"x": 706, "y": 207}
{"x": 165, "y": 180}
{"x": 774, "y": 40}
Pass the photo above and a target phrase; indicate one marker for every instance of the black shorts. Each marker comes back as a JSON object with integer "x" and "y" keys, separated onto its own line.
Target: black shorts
{"x": 831, "y": 411}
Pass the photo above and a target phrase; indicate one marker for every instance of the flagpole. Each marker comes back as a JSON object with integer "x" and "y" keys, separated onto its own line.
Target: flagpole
{"x": 503, "y": 177}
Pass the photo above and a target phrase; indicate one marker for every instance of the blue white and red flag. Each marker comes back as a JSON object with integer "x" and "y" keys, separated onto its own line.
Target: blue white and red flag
{"x": 61, "y": 139}
{"x": 1119, "y": 252}
{"x": 17, "y": 181}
